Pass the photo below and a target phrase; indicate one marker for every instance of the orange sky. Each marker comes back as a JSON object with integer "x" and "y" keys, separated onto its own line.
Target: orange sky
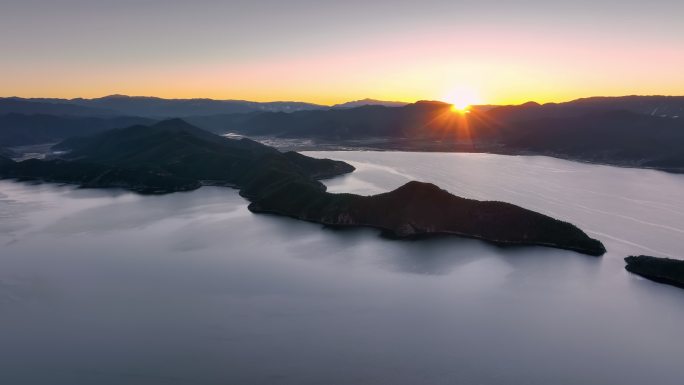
{"x": 500, "y": 60}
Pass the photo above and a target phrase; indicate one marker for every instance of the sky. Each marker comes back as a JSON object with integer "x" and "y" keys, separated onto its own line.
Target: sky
{"x": 498, "y": 52}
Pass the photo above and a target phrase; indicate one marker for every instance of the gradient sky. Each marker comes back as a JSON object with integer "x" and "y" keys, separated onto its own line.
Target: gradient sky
{"x": 333, "y": 51}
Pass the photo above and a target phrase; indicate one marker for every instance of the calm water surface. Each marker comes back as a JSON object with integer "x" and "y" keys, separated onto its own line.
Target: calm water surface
{"x": 108, "y": 287}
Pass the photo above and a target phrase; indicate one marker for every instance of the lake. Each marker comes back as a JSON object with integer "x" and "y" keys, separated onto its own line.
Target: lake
{"x": 109, "y": 287}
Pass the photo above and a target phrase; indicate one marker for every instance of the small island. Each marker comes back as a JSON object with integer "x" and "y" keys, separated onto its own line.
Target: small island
{"x": 662, "y": 270}
{"x": 418, "y": 209}
{"x": 173, "y": 156}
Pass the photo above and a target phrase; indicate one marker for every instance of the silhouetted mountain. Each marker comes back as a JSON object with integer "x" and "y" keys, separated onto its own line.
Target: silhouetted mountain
{"x": 662, "y": 106}
{"x": 585, "y": 129}
{"x": 220, "y": 123}
{"x": 612, "y": 137}
{"x": 369, "y": 102}
{"x": 25, "y": 106}
{"x": 422, "y": 119}
{"x": 169, "y": 108}
{"x": 176, "y": 156}
{"x": 658, "y": 106}
{"x": 617, "y": 137}
{"x": 663, "y": 270}
{"x": 173, "y": 154}
{"x": 20, "y": 129}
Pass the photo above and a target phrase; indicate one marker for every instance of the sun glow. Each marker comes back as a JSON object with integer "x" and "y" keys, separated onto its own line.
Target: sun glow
{"x": 460, "y": 108}
{"x": 462, "y": 99}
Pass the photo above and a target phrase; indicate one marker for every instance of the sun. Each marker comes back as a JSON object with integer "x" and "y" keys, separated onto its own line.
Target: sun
{"x": 460, "y": 107}
{"x": 462, "y": 99}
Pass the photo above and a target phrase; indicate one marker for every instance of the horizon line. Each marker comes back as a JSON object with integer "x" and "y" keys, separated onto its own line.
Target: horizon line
{"x": 33, "y": 98}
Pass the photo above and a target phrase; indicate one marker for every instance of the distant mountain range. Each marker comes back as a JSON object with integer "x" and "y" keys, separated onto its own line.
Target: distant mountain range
{"x": 622, "y": 131}
{"x": 369, "y": 102}
{"x": 639, "y": 131}
{"x": 659, "y": 106}
{"x": 43, "y": 120}
{"x": 152, "y": 107}
{"x": 160, "y": 108}
{"x": 145, "y": 106}
{"x": 42, "y": 106}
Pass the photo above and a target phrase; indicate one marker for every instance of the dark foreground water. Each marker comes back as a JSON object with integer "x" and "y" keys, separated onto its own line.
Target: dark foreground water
{"x": 107, "y": 287}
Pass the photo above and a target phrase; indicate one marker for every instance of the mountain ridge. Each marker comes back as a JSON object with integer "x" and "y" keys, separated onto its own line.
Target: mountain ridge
{"x": 369, "y": 102}
{"x": 633, "y": 131}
